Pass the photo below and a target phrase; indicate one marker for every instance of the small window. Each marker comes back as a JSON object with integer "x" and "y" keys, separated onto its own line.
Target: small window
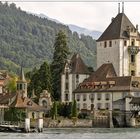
{"x": 33, "y": 115}
{"x": 99, "y": 96}
{"x": 78, "y": 97}
{"x": 84, "y": 97}
{"x": 20, "y": 86}
{"x": 133, "y": 42}
{"x": 91, "y": 97}
{"x": 107, "y": 96}
{"x": 98, "y": 105}
{"x": 66, "y": 97}
{"x": 125, "y": 43}
{"x": 67, "y": 86}
{"x": 132, "y": 58}
{"x": 24, "y": 86}
{"x": 92, "y": 106}
{"x": 78, "y": 106}
{"x": 107, "y": 106}
{"x": 137, "y": 94}
{"x": 77, "y": 76}
{"x": 67, "y": 75}
{"x": 110, "y": 43}
{"x": 132, "y": 73}
{"x": 105, "y": 44}
{"x": 44, "y": 103}
{"x": 84, "y": 106}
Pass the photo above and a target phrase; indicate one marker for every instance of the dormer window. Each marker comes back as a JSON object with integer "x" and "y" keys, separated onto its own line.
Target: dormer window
{"x": 105, "y": 44}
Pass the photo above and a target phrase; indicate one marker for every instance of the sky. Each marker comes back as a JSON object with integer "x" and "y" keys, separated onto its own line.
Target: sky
{"x": 90, "y": 15}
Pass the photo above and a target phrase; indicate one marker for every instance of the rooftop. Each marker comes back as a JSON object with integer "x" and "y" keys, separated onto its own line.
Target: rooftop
{"x": 118, "y": 28}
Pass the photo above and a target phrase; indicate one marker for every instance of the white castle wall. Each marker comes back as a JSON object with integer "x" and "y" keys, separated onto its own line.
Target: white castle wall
{"x": 108, "y": 54}
{"x": 72, "y": 85}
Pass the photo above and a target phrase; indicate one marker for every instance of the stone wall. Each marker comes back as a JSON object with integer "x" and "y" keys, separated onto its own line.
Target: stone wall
{"x": 49, "y": 123}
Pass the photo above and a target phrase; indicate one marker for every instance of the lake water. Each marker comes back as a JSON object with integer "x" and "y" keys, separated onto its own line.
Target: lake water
{"x": 81, "y": 133}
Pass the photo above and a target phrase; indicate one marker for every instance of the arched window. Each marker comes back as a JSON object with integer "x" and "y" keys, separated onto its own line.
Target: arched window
{"x": 44, "y": 103}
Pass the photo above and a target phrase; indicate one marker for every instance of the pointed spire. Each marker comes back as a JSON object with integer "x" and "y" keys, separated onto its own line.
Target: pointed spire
{"x": 122, "y": 7}
{"x": 118, "y": 8}
{"x": 22, "y": 76}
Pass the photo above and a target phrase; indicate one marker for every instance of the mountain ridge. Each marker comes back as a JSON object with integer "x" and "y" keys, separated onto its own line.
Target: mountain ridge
{"x": 28, "y": 40}
{"x": 75, "y": 28}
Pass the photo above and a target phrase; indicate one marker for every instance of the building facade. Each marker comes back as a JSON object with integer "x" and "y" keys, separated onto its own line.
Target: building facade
{"x": 119, "y": 44}
{"x": 75, "y": 71}
{"x": 107, "y": 91}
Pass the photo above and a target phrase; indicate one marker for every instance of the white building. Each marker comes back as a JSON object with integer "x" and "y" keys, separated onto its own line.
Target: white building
{"x": 119, "y": 44}
{"x": 104, "y": 90}
{"x": 75, "y": 72}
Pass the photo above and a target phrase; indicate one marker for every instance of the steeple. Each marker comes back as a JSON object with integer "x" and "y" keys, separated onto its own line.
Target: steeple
{"x": 22, "y": 76}
{"x": 22, "y": 84}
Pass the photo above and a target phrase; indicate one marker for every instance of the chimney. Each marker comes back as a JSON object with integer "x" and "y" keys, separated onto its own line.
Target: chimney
{"x": 118, "y": 8}
{"x": 122, "y": 7}
{"x": 137, "y": 27}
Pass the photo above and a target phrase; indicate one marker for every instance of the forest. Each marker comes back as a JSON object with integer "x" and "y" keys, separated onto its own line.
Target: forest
{"x": 28, "y": 40}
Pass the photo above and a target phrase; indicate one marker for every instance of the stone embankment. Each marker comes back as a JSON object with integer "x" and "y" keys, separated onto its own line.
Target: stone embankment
{"x": 63, "y": 123}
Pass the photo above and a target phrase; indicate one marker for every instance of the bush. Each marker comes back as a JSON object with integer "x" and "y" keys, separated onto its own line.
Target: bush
{"x": 83, "y": 115}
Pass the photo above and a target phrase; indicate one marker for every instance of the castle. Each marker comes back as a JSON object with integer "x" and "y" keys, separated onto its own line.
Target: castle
{"x": 115, "y": 85}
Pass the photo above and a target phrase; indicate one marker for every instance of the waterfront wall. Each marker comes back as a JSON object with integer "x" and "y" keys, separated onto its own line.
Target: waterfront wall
{"x": 49, "y": 123}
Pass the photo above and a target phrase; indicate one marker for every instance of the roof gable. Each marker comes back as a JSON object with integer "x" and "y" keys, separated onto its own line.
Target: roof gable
{"x": 78, "y": 66}
{"x": 103, "y": 72}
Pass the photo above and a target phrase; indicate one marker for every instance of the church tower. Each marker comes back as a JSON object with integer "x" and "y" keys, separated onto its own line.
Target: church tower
{"x": 120, "y": 44}
{"x": 22, "y": 84}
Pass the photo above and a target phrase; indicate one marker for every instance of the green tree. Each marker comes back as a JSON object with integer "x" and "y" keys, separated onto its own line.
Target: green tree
{"x": 40, "y": 79}
{"x": 54, "y": 111}
{"x": 45, "y": 77}
{"x": 74, "y": 112}
{"x": 11, "y": 85}
{"x": 74, "y": 109}
{"x": 61, "y": 53}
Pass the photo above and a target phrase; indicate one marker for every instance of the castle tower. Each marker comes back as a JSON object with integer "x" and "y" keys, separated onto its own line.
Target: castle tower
{"x": 22, "y": 84}
{"x": 119, "y": 44}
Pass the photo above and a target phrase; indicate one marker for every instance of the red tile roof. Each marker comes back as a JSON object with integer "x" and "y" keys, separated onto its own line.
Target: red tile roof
{"x": 105, "y": 79}
{"x": 25, "y": 103}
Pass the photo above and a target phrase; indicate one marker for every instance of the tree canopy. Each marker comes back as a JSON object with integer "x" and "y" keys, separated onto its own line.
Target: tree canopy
{"x": 29, "y": 40}
{"x": 60, "y": 56}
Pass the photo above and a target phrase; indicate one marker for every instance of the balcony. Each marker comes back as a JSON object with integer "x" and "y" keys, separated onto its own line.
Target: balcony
{"x": 133, "y": 49}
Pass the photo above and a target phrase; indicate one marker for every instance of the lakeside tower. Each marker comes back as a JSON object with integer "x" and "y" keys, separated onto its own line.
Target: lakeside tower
{"x": 120, "y": 44}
